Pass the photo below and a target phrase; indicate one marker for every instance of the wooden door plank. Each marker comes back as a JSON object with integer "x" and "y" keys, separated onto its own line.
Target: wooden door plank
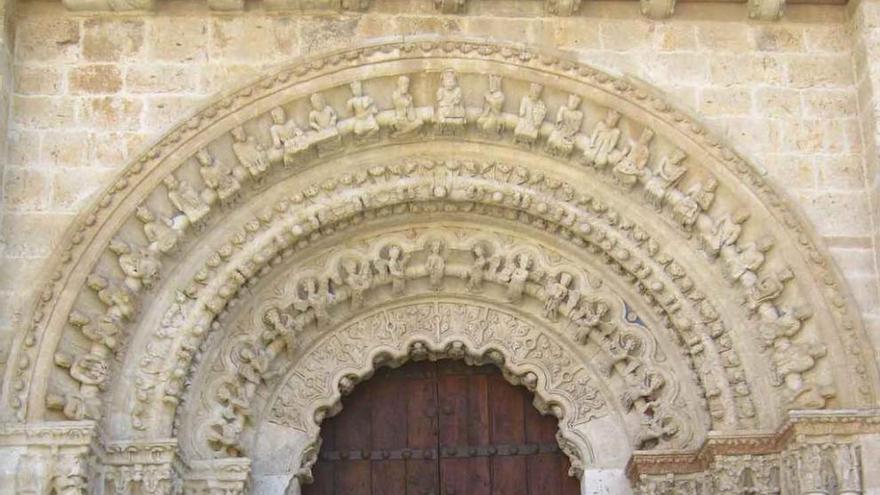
{"x": 543, "y": 474}
{"x": 456, "y": 397}
{"x": 452, "y": 398}
{"x": 422, "y": 474}
{"x": 506, "y": 426}
{"x": 478, "y": 410}
{"x": 353, "y": 432}
{"x": 506, "y": 421}
{"x": 388, "y": 423}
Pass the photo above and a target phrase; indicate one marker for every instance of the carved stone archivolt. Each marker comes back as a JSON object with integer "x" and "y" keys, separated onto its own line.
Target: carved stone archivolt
{"x": 304, "y": 350}
{"x": 576, "y": 205}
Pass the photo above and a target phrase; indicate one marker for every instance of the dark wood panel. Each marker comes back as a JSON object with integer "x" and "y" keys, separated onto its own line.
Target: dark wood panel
{"x": 395, "y": 431}
{"x": 389, "y": 430}
{"x": 422, "y": 475}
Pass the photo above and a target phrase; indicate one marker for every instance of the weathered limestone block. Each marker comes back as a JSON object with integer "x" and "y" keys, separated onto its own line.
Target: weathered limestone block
{"x": 114, "y": 5}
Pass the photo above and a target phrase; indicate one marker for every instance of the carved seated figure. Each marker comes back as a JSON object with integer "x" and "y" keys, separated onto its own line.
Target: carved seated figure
{"x": 698, "y": 199}
{"x": 250, "y": 153}
{"x": 781, "y": 322}
{"x": 601, "y": 150}
{"x": 791, "y": 360}
{"x": 531, "y": 115}
{"x": 568, "y": 123}
{"x": 631, "y": 168}
{"x": 221, "y": 183}
{"x": 287, "y": 138}
{"x": 666, "y": 175}
{"x": 450, "y": 115}
{"x": 364, "y": 110}
{"x": 104, "y": 332}
{"x": 119, "y": 300}
{"x": 161, "y": 234}
{"x": 141, "y": 267}
{"x": 491, "y": 121}
{"x": 406, "y": 120}
{"x": 185, "y": 199}
{"x": 768, "y": 287}
{"x": 322, "y": 120}
{"x": 744, "y": 264}
{"x": 724, "y": 232}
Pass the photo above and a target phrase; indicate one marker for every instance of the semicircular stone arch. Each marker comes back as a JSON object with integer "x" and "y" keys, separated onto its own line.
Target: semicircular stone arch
{"x": 430, "y": 141}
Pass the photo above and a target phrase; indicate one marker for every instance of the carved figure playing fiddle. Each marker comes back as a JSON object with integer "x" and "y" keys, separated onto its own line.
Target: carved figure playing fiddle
{"x": 568, "y": 123}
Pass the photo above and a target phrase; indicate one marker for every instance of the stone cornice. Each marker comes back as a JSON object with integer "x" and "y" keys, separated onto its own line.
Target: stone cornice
{"x": 800, "y": 426}
{"x": 767, "y": 10}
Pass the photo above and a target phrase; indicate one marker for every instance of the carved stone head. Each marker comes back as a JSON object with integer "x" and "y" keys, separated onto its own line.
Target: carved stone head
{"x": 318, "y": 102}
{"x": 574, "y": 101}
{"x": 204, "y": 158}
{"x": 277, "y": 114}
{"x": 239, "y": 135}
{"x": 403, "y": 84}
{"x": 357, "y": 88}
{"x": 449, "y": 79}
{"x": 535, "y": 90}
{"x": 612, "y": 118}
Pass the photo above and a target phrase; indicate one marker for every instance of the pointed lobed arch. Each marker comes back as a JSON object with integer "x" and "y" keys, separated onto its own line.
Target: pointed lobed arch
{"x": 733, "y": 275}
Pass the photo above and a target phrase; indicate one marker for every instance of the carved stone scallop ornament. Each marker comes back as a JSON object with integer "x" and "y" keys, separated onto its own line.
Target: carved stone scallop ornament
{"x": 591, "y": 177}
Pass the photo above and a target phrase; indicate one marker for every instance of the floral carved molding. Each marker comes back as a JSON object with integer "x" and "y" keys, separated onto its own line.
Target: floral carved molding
{"x": 691, "y": 238}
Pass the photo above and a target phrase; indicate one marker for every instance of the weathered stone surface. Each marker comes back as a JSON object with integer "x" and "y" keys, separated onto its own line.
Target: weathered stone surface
{"x": 89, "y": 92}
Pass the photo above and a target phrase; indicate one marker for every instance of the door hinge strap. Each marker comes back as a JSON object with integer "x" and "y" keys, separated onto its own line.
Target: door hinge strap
{"x": 445, "y": 452}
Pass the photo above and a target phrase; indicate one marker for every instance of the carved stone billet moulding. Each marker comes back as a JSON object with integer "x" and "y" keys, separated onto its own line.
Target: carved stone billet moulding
{"x": 813, "y": 452}
{"x": 722, "y": 231}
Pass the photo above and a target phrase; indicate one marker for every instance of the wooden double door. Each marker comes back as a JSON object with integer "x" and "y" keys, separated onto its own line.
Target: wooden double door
{"x": 441, "y": 428}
